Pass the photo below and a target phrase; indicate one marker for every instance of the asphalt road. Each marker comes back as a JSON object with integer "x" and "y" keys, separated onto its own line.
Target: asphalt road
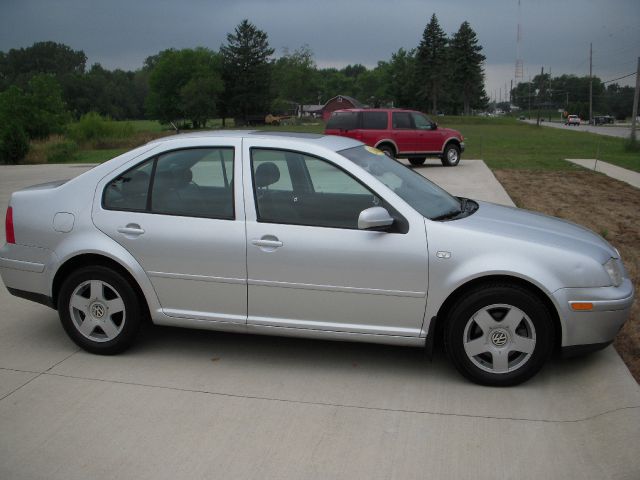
{"x": 611, "y": 131}
{"x": 187, "y": 404}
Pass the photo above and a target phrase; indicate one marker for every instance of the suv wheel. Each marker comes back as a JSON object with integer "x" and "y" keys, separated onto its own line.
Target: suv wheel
{"x": 99, "y": 310}
{"x": 451, "y": 155}
{"x": 499, "y": 335}
{"x": 388, "y": 150}
{"x": 416, "y": 162}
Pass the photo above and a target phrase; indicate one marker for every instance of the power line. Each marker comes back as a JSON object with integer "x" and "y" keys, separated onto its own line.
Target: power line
{"x": 619, "y": 78}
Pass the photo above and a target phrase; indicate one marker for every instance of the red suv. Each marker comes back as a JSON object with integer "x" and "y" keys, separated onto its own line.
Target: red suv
{"x": 398, "y": 133}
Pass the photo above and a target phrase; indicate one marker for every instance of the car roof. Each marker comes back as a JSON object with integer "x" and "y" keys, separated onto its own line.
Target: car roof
{"x": 332, "y": 142}
{"x": 375, "y": 110}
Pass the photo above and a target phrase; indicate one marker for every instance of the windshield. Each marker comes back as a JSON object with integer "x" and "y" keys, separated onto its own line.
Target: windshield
{"x": 424, "y": 196}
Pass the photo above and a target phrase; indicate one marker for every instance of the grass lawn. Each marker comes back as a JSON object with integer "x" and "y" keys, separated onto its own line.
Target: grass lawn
{"x": 501, "y": 142}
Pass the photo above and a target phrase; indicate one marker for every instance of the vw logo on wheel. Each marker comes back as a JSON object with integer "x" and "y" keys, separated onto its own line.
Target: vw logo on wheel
{"x": 97, "y": 310}
{"x": 499, "y": 338}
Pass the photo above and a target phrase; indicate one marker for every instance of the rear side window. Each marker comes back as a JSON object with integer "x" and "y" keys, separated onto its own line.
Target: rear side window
{"x": 196, "y": 182}
{"x": 402, "y": 120}
{"x": 343, "y": 121}
{"x": 374, "y": 120}
{"x": 130, "y": 190}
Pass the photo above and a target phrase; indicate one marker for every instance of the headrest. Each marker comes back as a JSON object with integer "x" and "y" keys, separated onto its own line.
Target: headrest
{"x": 267, "y": 174}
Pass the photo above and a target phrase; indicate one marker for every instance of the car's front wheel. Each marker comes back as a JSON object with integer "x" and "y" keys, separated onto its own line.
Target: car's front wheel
{"x": 451, "y": 155}
{"x": 99, "y": 310}
{"x": 499, "y": 335}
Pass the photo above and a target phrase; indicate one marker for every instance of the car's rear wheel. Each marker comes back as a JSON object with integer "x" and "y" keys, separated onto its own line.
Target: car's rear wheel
{"x": 451, "y": 155}
{"x": 416, "y": 162}
{"x": 499, "y": 335}
{"x": 99, "y": 310}
{"x": 388, "y": 150}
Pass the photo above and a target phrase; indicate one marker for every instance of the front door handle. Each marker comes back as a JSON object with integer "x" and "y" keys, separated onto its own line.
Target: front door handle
{"x": 132, "y": 229}
{"x": 267, "y": 243}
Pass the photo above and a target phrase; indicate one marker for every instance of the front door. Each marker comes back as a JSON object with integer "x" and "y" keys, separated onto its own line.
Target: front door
{"x": 180, "y": 214}
{"x": 309, "y": 267}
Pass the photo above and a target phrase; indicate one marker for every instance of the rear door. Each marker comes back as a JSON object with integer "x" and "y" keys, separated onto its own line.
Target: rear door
{"x": 403, "y": 132}
{"x": 181, "y": 215}
{"x": 374, "y": 127}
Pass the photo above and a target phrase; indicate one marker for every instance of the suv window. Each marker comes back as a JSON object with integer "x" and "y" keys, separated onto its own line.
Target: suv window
{"x": 402, "y": 120}
{"x": 343, "y": 121}
{"x": 195, "y": 182}
{"x": 421, "y": 122}
{"x": 374, "y": 120}
{"x": 316, "y": 192}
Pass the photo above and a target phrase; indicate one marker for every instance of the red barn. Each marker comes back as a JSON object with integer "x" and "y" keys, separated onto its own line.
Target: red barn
{"x": 338, "y": 103}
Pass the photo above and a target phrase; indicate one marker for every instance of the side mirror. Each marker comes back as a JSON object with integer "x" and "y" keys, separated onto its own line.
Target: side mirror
{"x": 375, "y": 218}
{"x": 434, "y": 126}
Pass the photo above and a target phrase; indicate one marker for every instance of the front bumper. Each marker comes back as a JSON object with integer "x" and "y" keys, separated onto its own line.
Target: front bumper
{"x": 598, "y": 326}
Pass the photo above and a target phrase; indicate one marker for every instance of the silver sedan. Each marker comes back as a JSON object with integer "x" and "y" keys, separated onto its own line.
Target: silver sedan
{"x": 311, "y": 236}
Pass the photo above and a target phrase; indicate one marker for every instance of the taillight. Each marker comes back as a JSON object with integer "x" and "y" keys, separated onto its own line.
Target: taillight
{"x": 8, "y": 226}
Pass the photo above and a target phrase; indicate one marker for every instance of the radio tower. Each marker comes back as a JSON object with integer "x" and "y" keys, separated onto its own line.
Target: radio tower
{"x": 519, "y": 64}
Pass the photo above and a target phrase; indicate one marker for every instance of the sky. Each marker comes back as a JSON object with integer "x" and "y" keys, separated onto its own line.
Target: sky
{"x": 555, "y": 33}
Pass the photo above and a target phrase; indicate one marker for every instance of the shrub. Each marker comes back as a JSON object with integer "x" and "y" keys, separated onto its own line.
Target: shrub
{"x": 99, "y": 132}
{"x": 61, "y": 152}
{"x": 14, "y": 143}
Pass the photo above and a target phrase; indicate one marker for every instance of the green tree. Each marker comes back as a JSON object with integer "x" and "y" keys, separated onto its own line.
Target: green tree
{"x": 14, "y": 140}
{"x": 46, "y": 111}
{"x": 432, "y": 63}
{"x": 185, "y": 84}
{"x": 294, "y": 77}
{"x": 402, "y": 84}
{"x": 467, "y": 72}
{"x": 246, "y": 71}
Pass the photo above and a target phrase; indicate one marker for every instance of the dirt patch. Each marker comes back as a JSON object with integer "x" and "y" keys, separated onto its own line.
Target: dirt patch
{"x": 608, "y": 207}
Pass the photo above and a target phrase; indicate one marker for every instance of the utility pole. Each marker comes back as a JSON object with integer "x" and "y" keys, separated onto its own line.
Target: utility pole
{"x": 529, "y": 97}
{"x": 590, "y": 83}
{"x": 635, "y": 104}
{"x": 540, "y": 93}
{"x": 510, "y": 93}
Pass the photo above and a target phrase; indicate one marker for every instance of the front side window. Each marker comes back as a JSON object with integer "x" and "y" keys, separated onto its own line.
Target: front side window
{"x": 402, "y": 120}
{"x": 314, "y": 192}
{"x": 421, "y": 122}
{"x": 195, "y": 182}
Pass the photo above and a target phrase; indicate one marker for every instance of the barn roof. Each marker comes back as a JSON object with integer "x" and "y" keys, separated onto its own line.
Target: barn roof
{"x": 356, "y": 103}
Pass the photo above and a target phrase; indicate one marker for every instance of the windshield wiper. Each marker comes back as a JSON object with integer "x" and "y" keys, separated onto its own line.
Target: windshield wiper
{"x": 450, "y": 214}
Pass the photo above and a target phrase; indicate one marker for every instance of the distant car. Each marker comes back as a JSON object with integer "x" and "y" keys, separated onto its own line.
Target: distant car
{"x": 309, "y": 236}
{"x": 521, "y": 117}
{"x": 572, "y": 120}
{"x": 399, "y": 133}
{"x": 603, "y": 120}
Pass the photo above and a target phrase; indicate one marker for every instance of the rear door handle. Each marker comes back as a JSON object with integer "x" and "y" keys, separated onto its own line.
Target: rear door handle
{"x": 267, "y": 243}
{"x": 131, "y": 229}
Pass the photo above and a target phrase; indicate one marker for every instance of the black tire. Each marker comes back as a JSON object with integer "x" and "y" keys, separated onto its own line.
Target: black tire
{"x": 388, "y": 150}
{"x": 451, "y": 155}
{"x": 488, "y": 318}
{"x": 416, "y": 162}
{"x": 117, "y": 303}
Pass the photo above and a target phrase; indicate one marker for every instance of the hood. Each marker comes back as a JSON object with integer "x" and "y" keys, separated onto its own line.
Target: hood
{"x": 538, "y": 228}
{"x": 450, "y": 132}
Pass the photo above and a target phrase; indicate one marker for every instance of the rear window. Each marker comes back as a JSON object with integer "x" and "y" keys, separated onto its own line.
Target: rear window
{"x": 374, "y": 120}
{"x": 343, "y": 121}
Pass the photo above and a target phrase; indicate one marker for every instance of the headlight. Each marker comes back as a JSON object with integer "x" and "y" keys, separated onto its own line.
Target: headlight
{"x": 614, "y": 268}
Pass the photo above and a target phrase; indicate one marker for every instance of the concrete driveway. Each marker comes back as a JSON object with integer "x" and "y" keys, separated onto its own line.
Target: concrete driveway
{"x": 196, "y": 404}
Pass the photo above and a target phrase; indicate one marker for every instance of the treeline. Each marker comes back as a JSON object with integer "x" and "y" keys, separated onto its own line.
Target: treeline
{"x": 571, "y": 93}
